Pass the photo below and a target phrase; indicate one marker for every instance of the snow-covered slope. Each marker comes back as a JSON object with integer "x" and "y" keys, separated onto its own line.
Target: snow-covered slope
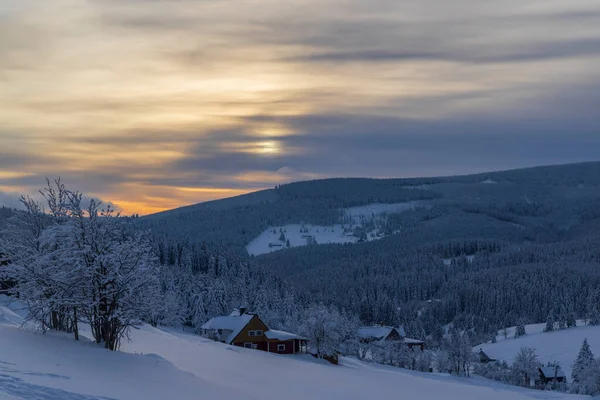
{"x": 305, "y": 234}
{"x": 562, "y": 345}
{"x": 169, "y": 364}
{"x": 53, "y": 366}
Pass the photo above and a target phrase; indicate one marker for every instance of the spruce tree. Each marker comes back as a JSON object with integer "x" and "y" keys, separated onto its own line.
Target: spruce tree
{"x": 585, "y": 359}
{"x": 549, "y": 323}
{"x": 520, "y": 330}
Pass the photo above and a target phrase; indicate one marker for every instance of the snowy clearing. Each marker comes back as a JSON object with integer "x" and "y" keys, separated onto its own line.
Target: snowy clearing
{"x": 160, "y": 364}
{"x": 305, "y": 234}
{"x": 561, "y": 345}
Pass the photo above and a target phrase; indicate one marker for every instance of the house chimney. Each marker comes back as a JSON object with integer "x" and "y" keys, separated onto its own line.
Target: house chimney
{"x": 242, "y": 311}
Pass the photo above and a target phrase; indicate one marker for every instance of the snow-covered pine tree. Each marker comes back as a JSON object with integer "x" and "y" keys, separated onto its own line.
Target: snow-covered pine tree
{"x": 549, "y": 323}
{"x": 562, "y": 318}
{"x": 586, "y": 372}
{"x": 593, "y": 307}
{"x": 520, "y": 329}
{"x": 584, "y": 360}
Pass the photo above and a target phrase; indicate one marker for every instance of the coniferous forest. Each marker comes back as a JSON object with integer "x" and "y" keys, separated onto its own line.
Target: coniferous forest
{"x": 476, "y": 254}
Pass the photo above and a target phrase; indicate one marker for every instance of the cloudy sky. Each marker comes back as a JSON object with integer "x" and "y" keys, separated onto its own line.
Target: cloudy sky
{"x": 153, "y": 104}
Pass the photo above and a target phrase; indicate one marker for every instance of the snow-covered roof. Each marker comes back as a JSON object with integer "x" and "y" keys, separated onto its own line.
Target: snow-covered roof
{"x": 412, "y": 341}
{"x": 231, "y": 323}
{"x": 549, "y": 372}
{"x": 281, "y": 335}
{"x": 379, "y": 332}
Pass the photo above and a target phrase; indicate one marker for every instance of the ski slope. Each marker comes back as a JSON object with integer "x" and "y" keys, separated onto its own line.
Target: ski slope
{"x": 301, "y": 234}
{"x": 562, "y": 345}
{"x": 170, "y": 364}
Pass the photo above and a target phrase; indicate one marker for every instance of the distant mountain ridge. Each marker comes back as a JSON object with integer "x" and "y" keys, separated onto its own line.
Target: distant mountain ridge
{"x": 234, "y": 222}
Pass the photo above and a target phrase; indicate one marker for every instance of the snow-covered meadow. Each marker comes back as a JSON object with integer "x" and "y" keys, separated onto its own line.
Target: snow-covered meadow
{"x": 168, "y": 363}
{"x": 305, "y": 234}
{"x": 559, "y": 345}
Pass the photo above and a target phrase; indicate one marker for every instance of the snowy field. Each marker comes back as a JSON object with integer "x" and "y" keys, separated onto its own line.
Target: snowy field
{"x": 169, "y": 364}
{"x": 302, "y": 234}
{"x": 562, "y": 345}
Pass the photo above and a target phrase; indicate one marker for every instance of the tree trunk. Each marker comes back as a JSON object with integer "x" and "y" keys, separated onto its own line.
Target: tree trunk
{"x": 75, "y": 325}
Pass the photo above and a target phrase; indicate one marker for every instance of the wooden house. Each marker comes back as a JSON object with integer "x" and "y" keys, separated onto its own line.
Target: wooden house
{"x": 552, "y": 374}
{"x": 484, "y": 358}
{"x": 381, "y": 333}
{"x": 247, "y": 330}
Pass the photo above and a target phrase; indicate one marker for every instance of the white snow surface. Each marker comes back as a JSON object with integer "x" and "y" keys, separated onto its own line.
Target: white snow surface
{"x": 268, "y": 241}
{"x": 171, "y": 364}
{"x": 560, "y": 345}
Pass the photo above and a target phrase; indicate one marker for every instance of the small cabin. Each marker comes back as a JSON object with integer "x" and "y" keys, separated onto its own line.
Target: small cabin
{"x": 484, "y": 358}
{"x": 382, "y": 333}
{"x": 552, "y": 374}
{"x": 244, "y": 329}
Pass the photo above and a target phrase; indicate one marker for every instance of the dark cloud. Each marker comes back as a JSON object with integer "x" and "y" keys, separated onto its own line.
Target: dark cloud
{"x": 534, "y": 52}
{"x": 383, "y": 88}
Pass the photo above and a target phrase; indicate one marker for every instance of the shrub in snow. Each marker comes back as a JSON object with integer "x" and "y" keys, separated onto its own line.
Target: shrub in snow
{"x": 497, "y": 371}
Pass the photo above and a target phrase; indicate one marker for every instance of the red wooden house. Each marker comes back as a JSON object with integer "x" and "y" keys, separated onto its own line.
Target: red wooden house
{"x": 247, "y": 330}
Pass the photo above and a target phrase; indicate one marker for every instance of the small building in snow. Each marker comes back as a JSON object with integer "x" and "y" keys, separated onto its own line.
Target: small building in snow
{"x": 552, "y": 374}
{"x": 484, "y": 358}
{"x": 382, "y": 333}
{"x": 244, "y": 329}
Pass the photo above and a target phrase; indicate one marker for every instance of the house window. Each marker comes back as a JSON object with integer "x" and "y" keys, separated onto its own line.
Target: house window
{"x": 254, "y": 346}
{"x": 248, "y": 345}
{"x": 281, "y": 347}
{"x": 258, "y": 333}
{"x": 251, "y": 333}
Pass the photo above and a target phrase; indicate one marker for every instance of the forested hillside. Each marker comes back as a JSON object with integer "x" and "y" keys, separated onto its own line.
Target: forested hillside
{"x": 483, "y": 251}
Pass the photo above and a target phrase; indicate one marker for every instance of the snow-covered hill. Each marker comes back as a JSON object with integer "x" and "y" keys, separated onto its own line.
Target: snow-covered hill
{"x": 561, "y": 345}
{"x": 161, "y": 364}
{"x": 297, "y": 235}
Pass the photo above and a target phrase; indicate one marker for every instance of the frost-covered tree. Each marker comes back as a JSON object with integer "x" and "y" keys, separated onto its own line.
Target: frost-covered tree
{"x": 583, "y": 363}
{"x": 75, "y": 263}
{"x": 520, "y": 329}
{"x": 525, "y": 367}
{"x": 562, "y": 318}
{"x": 460, "y": 352}
{"x": 442, "y": 361}
{"x": 425, "y": 360}
{"x": 497, "y": 371}
{"x": 34, "y": 245}
{"x": 549, "y": 323}
{"x": 586, "y": 372}
{"x": 593, "y": 307}
{"x": 327, "y": 329}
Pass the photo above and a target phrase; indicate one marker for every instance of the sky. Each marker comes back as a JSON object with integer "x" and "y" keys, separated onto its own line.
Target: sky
{"x": 155, "y": 104}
